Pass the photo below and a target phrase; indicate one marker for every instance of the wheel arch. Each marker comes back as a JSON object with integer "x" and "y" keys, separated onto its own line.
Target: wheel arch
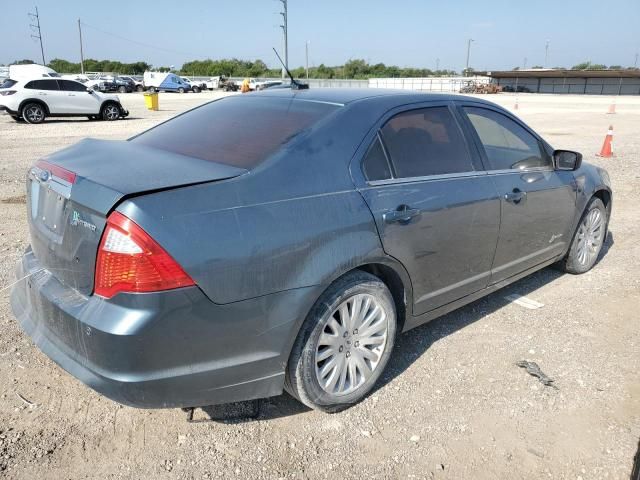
{"x": 107, "y": 102}
{"x": 33, "y": 100}
{"x": 604, "y": 195}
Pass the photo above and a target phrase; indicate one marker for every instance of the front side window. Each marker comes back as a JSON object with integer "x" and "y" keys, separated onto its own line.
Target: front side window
{"x": 71, "y": 86}
{"x": 506, "y": 144}
{"x": 425, "y": 142}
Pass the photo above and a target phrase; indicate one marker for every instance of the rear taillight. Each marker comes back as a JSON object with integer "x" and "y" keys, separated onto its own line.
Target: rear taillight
{"x": 4, "y": 93}
{"x": 129, "y": 260}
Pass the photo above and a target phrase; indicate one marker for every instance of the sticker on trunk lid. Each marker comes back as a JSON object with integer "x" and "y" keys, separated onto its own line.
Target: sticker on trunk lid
{"x": 76, "y": 220}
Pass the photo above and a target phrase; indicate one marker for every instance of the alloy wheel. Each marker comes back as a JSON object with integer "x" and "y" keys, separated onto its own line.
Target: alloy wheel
{"x": 590, "y": 237}
{"x": 111, "y": 112}
{"x": 34, "y": 114}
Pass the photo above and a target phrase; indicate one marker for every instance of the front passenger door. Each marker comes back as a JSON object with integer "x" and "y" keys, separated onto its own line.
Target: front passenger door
{"x": 537, "y": 202}
{"x": 77, "y": 99}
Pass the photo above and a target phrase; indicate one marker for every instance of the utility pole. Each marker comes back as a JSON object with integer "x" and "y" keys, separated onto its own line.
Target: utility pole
{"x": 635, "y": 64}
{"x": 468, "y": 53}
{"x": 36, "y": 17}
{"x": 524, "y": 64}
{"x": 81, "y": 52}
{"x": 306, "y": 56}
{"x": 437, "y": 64}
{"x": 284, "y": 35}
{"x": 546, "y": 53}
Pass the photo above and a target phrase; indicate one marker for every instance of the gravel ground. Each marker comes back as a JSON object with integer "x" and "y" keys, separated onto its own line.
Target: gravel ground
{"x": 452, "y": 404}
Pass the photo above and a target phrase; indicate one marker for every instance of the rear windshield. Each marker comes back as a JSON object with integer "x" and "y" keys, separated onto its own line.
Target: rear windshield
{"x": 7, "y": 83}
{"x": 236, "y": 131}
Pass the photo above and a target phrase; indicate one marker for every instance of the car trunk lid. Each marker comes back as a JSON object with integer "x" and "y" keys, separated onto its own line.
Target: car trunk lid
{"x": 70, "y": 194}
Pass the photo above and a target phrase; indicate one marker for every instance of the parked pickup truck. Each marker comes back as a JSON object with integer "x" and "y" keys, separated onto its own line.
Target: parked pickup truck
{"x": 196, "y": 86}
{"x": 222, "y": 82}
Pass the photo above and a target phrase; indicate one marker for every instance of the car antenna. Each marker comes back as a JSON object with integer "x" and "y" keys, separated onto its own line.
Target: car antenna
{"x": 295, "y": 85}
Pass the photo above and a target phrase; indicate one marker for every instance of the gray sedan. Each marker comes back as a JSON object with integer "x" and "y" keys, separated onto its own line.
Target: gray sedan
{"x": 283, "y": 239}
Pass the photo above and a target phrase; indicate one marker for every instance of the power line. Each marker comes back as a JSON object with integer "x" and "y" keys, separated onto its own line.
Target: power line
{"x": 136, "y": 41}
{"x": 36, "y": 17}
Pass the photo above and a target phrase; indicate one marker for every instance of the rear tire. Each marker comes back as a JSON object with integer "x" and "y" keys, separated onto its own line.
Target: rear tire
{"x": 181, "y": 90}
{"x": 33, "y": 113}
{"x": 196, "y": 89}
{"x": 110, "y": 112}
{"x": 587, "y": 240}
{"x": 333, "y": 365}
{"x": 122, "y": 89}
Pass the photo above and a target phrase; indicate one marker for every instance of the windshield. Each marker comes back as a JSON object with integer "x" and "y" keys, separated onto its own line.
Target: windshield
{"x": 236, "y": 131}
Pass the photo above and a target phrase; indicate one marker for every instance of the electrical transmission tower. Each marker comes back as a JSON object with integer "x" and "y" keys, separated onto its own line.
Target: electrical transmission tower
{"x": 36, "y": 17}
{"x": 284, "y": 27}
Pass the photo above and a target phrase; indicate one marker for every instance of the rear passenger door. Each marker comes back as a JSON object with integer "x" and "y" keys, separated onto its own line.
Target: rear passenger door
{"x": 48, "y": 91}
{"x": 435, "y": 209}
{"x": 537, "y": 202}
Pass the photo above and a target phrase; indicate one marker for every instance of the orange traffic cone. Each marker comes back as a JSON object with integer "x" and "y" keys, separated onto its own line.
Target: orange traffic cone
{"x": 612, "y": 107}
{"x": 607, "y": 146}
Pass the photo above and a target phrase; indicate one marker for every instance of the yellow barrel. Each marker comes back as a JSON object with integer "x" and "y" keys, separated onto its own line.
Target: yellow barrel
{"x": 151, "y": 100}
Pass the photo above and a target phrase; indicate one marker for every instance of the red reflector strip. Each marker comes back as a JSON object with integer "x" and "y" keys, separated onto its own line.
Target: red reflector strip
{"x": 57, "y": 171}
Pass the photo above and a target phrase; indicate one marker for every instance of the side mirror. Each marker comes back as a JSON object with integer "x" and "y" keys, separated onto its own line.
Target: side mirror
{"x": 567, "y": 160}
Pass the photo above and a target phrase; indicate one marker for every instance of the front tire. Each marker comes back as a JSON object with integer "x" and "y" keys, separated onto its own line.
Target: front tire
{"x": 196, "y": 89}
{"x": 588, "y": 239}
{"x": 33, "y": 113}
{"x": 122, "y": 89}
{"x": 110, "y": 112}
{"x": 344, "y": 344}
{"x": 181, "y": 90}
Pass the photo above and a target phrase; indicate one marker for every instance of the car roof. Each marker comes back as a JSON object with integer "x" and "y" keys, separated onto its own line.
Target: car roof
{"x": 344, "y": 96}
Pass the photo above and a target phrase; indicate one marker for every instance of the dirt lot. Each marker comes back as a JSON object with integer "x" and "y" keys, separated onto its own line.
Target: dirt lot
{"x": 452, "y": 403}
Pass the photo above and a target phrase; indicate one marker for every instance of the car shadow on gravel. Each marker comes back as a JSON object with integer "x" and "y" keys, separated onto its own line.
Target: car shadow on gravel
{"x": 409, "y": 347}
{"x": 412, "y": 344}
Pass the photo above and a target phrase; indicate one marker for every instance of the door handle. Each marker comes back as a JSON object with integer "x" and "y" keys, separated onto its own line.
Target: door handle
{"x": 516, "y": 196}
{"x": 403, "y": 215}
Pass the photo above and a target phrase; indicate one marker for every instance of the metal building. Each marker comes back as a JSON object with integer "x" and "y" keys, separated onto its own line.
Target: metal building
{"x": 592, "y": 82}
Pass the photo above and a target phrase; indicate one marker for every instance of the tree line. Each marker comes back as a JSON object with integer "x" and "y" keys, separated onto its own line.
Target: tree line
{"x": 234, "y": 67}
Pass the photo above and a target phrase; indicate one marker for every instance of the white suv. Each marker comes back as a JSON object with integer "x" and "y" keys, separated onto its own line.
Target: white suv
{"x": 34, "y": 100}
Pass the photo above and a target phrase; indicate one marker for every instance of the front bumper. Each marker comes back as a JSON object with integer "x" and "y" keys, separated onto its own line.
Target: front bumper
{"x": 168, "y": 349}
{"x": 123, "y": 112}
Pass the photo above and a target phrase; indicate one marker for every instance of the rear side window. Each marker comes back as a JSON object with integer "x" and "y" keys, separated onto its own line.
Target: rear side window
{"x": 236, "y": 131}
{"x": 375, "y": 164}
{"x": 506, "y": 144}
{"x": 42, "y": 85}
{"x": 71, "y": 86}
{"x": 426, "y": 142}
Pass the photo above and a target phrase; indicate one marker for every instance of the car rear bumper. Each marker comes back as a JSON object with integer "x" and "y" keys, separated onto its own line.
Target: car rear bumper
{"x": 169, "y": 349}
{"x": 6, "y": 110}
